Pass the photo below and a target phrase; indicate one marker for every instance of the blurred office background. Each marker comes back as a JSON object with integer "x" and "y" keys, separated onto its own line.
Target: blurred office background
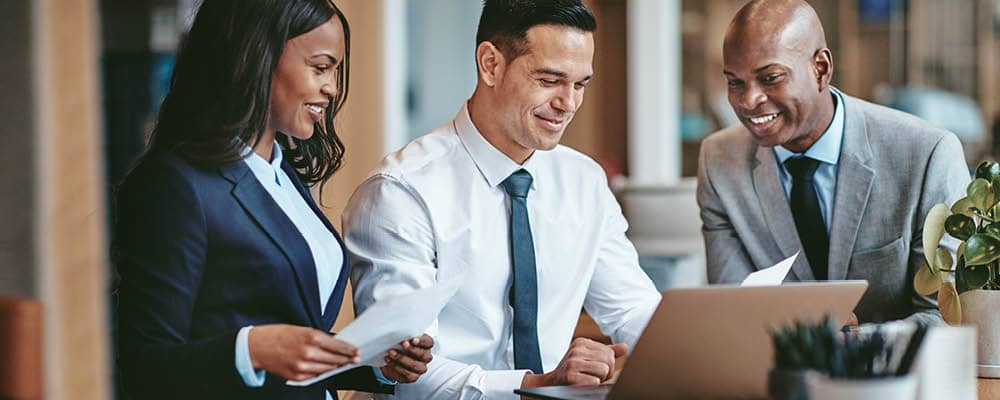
{"x": 81, "y": 82}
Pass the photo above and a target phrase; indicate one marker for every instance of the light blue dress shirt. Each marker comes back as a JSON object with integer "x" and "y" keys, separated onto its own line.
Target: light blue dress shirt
{"x": 326, "y": 251}
{"x": 827, "y": 151}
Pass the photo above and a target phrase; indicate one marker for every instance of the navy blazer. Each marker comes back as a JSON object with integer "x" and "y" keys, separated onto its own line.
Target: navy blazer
{"x": 202, "y": 253}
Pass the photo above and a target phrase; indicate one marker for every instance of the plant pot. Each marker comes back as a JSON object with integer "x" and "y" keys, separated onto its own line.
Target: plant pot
{"x": 979, "y": 308}
{"x": 789, "y": 384}
{"x": 896, "y": 388}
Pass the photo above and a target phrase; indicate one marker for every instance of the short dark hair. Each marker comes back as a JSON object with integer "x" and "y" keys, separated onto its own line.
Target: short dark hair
{"x": 219, "y": 95}
{"x": 505, "y": 23}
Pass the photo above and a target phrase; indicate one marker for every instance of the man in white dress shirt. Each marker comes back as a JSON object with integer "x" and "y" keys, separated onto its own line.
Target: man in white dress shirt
{"x": 531, "y": 225}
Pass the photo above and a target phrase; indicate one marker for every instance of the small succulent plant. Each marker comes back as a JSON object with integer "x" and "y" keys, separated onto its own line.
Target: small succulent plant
{"x": 825, "y": 349}
{"x": 974, "y": 221}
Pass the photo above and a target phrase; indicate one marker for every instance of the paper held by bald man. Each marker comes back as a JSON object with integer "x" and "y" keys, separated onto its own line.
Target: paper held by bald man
{"x": 771, "y": 276}
{"x": 387, "y": 323}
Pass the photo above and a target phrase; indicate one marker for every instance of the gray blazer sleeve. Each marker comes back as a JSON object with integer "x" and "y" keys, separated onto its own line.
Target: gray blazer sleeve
{"x": 727, "y": 260}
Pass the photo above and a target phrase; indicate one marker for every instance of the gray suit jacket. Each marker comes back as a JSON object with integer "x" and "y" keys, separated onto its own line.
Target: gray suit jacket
{"x": 893, "y": 168}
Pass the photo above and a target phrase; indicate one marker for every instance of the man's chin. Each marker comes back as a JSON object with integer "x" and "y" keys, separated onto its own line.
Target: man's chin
{"x": 547, "y": 141}
{"x": 547, "y": 145}
{"x": 765, "y": 141}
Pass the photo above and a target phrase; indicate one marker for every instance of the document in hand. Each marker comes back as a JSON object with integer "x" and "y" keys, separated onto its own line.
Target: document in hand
{"x": 771, "y": 276}
{"x": 388, "y": 322}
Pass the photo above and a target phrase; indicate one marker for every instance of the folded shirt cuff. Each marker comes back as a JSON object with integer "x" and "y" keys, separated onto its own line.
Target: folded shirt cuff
{"x": 381, "y": 378}
{"x": 501, "y": 384}
{"x": 251, "y": 377}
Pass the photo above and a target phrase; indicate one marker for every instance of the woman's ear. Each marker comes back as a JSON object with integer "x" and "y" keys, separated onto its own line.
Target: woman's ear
{"x": 490, "y": 62}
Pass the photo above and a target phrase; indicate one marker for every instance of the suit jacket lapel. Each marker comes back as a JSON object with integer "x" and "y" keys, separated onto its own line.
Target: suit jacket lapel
{"x": 854, "y": 184}
{"x": 329, "y": 315}
{"x": 273, "y": 221}
{"x": 777, "y": 212}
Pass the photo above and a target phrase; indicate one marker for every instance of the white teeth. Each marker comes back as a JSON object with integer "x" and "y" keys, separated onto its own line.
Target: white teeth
{"x": 761, "y": 120}
{"x": 314, "y": 108}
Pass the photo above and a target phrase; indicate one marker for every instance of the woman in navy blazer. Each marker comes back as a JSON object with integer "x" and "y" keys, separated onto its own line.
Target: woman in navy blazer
{"x": 230, "y": 282}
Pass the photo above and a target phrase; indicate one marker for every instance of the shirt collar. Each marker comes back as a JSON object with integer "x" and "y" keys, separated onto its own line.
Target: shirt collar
{"x": 827, "y": 148}
{"x": 265, "y": 171}
{"x": 493, "y": 164}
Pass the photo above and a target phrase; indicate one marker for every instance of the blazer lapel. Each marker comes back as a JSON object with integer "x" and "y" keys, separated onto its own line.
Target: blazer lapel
{"x": 777, "y": 212}
{"x": 262, "y": 208}
{"x": 329, "y": 315}
{"x": 854, "y": 184}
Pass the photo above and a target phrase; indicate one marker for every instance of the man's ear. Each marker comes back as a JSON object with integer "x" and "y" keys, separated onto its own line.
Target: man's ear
{"x": 490, "y": 62}
{"x": 823, "y": 67}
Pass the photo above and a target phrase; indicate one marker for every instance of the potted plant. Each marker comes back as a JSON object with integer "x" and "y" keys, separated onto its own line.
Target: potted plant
{"x": 973, "y": 295}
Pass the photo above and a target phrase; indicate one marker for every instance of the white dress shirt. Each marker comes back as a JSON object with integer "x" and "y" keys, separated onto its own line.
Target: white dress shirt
{"x": 435, "y": 209}
{"x": 325, "y": 249}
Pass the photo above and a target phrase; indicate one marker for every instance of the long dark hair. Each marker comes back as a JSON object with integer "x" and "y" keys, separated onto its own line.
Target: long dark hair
{"x": 221, "y": 87}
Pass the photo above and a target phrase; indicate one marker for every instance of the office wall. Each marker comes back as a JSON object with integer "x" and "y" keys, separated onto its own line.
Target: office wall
{"x": 360, "y": 125}
{"x": 440, "y": 55}
{"x": 52, "y": 246}
{"x": 17, "y": 188}
{"x": 600, "y": 126}
{"x": 71, "y": 235}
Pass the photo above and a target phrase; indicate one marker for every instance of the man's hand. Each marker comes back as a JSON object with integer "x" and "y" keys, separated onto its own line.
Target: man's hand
{"x": 586, "y": 363}
{"x": 406, "y": 365}
{"x": 851, "y": 325}
{"x": 297, "y": 352}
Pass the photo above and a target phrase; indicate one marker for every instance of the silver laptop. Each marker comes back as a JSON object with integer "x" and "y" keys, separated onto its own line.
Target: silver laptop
{"x": 714, "y": 342}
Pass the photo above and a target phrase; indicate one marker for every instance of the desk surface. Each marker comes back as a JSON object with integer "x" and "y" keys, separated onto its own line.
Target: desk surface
{"x": 989, "y": 388}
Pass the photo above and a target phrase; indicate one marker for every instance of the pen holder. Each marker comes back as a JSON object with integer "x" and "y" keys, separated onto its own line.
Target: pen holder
{"x": 788, "y": 384}
{"x": 897, "y": 388}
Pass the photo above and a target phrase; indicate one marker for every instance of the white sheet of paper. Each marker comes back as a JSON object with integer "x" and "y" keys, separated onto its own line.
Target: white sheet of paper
{"x": 771, "y": 276}
{"x": 388, "y": 322}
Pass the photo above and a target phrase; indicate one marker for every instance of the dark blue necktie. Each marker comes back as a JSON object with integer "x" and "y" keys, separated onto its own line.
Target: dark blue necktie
{"x": 808, "y": 216}
{"x": 524, "y": 292}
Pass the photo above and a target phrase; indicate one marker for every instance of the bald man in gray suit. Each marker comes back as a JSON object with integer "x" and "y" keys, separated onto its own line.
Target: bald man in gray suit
{"x": 812, "y": 170}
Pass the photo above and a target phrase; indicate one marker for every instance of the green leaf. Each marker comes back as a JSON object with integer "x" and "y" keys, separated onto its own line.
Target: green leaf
{"x": 960, "y": 280}
{"x": 960, "y": 252}
{"x": 980, "y": 192}
{"x": 972, "y": 277}
{"x": 981, "y": 249}
{"x": 960, "y": 226}
{"x": 988, "y": 170}
{"x": 993, "y": 229}
{"x": 963, "y": 206}
{"x": 995, "y": 184}
{"x": 933, "y": 231}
